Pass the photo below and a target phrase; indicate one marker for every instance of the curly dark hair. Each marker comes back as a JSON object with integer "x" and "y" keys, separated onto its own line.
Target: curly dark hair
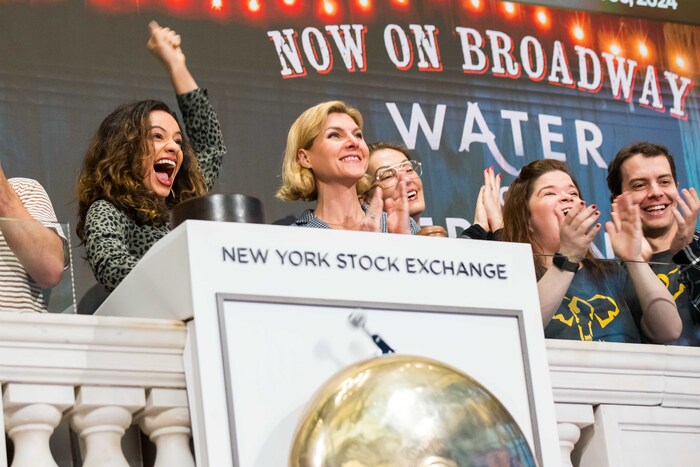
{"x": 113, "y": 168}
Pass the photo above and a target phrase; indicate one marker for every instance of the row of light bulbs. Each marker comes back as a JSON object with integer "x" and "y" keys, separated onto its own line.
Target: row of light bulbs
{"x": 509, "y": 9}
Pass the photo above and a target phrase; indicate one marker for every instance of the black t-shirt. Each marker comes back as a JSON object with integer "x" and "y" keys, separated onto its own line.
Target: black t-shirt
{"x": 669, "y": 273}
{"x": 595, "y": 310}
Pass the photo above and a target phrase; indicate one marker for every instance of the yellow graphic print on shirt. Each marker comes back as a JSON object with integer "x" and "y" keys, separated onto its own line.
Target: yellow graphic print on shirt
{"x": 667, "y": 282}
{"x": 598, "y": 310}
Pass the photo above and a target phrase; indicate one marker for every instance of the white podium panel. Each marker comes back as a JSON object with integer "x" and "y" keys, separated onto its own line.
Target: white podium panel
{"x": 315, "y": 341}
{"x": 270, "y": 307}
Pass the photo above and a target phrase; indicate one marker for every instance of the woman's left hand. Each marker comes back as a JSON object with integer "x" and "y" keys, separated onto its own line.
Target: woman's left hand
{"x": 165, "y": 43}
{"x": 397, "y": 209}
{"x": 625, "y": 229}
{"x": 492, "y": 199}
{"x": 686, "y": 214}
{"x": 480, "y": 217}
{"x": 372, "y": 222}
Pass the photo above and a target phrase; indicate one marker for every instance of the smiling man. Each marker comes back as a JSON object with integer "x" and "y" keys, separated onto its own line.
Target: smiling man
{"x": 647, "y": 172}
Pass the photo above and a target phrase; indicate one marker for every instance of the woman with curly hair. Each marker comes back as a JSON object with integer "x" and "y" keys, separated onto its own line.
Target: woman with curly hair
{"x": 325, "y": 161}
{"x": 583, "y": 298}
{"x": 139, "y": 165}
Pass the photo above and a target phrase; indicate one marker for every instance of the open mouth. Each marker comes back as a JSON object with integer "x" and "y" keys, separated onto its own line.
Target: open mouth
{"x": 164, "y": 170}
{"x": 566, "y": 211}
{"x": 412, "y": 195}
{"x": 351, "y": 158}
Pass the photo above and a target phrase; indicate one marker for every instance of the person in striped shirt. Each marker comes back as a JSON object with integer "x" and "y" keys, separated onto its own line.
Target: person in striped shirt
{"x": 31, "y": 245}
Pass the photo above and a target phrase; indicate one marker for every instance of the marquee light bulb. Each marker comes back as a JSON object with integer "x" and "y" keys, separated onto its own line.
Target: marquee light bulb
{"x": 475, "y": 3}
{"x": 216, "y": 4}
{"x": 289, "y": 2}
{"x": 615, "y": 49}
{"x": 643, "y": 50}
{"x": 364, "y": 4}
{"x": 680, "y": 61}
{"x": 329, "y": 7}
{"x": 509, "y": 7}
{"x": 578, "y": 32}
{"x": 542, "y": 17}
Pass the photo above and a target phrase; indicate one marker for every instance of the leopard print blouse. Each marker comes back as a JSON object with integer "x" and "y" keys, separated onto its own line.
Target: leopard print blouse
{"x": 113, "y": 241}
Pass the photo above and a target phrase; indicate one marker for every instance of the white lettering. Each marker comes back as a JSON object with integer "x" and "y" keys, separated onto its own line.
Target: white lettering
{"x": 288, "y": 52}
{"x": 651, "y": 89}
{"x": 427, "y": 45}
{"x": 401, "y": 54}
{"x": 589, "y": 147}
{"x": 485, "y": 136}
{"x": 319, "y": 57}
{"x": 621, "y": 77}
{"x": 587, "y": 82}
{"x": 410, "y": 134}
{"x": 679, "y": 93}
{"x": 453, "y": 223}
{"x": 548, "y": 137}
{"x": 502, "y": 52}
{"x": 351, "y": 48}
{"x": 468, "y": 50}
{"x": 534, "y": 66}
{"x": 515, "y": 118}
{"x": 560, "y": 73}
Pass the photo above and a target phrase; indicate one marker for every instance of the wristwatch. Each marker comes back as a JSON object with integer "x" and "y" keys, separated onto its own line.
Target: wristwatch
{"x": 563, "y": 263}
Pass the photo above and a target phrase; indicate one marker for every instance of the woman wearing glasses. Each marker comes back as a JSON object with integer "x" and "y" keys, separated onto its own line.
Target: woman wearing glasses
{"x": 325, "y": 161}
{"x": 386, "y": 164}
{"x": 388, "y": 161}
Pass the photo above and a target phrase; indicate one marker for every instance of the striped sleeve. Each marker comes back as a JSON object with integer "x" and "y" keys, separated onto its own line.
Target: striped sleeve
{"x": 18, "y": 292}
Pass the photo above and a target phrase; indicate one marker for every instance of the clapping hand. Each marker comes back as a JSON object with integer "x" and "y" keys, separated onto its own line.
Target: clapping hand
{"x": 397, "y": 210}
{"x": 488, "y": 212}
{"x": 686, "y": 214}
{"x": 372, "y": 222}
{"x": 492, "y": 199}
{"x": 577, "y": 229}
{"x": 625, "y": 229}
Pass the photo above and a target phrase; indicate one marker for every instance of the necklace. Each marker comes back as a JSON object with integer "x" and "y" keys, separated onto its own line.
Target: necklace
{"x": 343, "y": 226}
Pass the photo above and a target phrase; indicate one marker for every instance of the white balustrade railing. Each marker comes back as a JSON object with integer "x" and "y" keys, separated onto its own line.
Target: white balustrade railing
{"x": 626, "y": 404}
{"x": 104, "y": 374}
{"x": 101, "y": 375}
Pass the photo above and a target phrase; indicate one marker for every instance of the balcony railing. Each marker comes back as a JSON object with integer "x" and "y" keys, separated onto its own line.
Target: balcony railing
{"x": 102, "y": 375}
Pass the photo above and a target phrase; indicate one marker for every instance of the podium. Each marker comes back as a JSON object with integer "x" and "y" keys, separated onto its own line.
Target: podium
{"x": 267, "y": 306}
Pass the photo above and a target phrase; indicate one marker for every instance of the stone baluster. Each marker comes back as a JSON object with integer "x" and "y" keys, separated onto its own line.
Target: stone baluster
{"x": 101, "y": 416}
{"x": 571, "y": 419}
{"x": 166, "y": 421}
{"x": 32, "y": 411}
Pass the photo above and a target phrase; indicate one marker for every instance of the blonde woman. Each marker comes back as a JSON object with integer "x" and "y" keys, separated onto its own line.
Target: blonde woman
{"x": 325, "y": 161}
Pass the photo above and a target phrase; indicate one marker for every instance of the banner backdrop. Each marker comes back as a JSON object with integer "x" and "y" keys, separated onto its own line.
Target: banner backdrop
{"x": 465, "y": 84}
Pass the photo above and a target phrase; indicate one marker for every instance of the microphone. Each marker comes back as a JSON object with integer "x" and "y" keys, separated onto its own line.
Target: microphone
{"x": 358, "y": 320}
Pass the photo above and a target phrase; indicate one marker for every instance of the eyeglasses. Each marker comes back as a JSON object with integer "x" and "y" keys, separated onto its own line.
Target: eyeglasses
{"x": 389, "y": 177}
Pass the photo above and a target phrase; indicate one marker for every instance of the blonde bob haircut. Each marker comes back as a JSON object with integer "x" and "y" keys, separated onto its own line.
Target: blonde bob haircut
{"x": 298, "y": 183}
